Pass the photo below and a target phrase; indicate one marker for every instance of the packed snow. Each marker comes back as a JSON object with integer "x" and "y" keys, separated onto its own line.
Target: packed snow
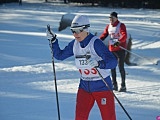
{"x": 27, "y": 90}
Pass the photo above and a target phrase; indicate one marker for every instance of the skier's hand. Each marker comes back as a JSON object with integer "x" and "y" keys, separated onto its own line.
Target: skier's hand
{"x": 92, "y": 63}
{"x": 116, "y": 44}
{"x": 51, "y": 36}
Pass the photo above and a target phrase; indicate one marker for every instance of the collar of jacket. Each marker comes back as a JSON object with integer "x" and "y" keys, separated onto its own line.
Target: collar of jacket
{"x": 85, "y": 42}
{"x": 115, "y": 23}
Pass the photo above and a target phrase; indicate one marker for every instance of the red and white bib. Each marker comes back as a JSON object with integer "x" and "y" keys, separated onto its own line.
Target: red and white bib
{"x": 81, "y": 56}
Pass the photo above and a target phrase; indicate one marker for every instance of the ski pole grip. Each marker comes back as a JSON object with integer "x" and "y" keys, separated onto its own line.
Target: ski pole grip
{"x": 48, "y": 27}
{"x": 53, "y": 35}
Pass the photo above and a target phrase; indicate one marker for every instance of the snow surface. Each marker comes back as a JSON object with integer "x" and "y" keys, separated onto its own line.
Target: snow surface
{"x": 26, "y": 75}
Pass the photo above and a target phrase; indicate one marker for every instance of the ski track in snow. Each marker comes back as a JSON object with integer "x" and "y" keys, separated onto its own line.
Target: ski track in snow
{"x": 140, "y": 93}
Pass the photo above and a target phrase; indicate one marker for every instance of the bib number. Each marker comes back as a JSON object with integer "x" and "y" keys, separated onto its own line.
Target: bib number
{"x": 91, "y": 72}
{"x": 81, "y": 63}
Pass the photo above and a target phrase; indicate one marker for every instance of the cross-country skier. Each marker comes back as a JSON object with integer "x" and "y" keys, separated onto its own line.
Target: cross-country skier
{"x": 118, "y": 35}
{"x": 90, "y": 54}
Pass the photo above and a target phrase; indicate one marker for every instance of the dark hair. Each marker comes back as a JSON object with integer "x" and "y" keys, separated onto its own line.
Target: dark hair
{"x": 114, "y": 14}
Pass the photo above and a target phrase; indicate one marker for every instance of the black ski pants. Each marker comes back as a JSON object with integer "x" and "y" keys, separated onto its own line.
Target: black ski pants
{"x": 120, "y": 55}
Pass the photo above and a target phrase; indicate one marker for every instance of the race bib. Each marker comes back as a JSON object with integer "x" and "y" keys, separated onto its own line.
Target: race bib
{"x": 89, "y": 74}
{"x": 81, "y": 63}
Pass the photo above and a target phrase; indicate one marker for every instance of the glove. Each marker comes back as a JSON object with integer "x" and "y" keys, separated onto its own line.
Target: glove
{"x": 116, "y": 44}
{"x": 51, "y": 36}
{"x": 92, "y": 63}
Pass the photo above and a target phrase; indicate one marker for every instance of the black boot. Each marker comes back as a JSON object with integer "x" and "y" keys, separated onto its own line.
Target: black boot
{"x": 115, "y": 86}
{"x": 123, "y": 88}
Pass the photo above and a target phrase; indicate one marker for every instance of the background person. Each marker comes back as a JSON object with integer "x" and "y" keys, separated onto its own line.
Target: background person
{"x": 118, "y": 35}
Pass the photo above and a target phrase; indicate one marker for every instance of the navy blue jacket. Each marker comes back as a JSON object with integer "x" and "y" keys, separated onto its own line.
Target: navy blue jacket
{"x": 109, "y": 62}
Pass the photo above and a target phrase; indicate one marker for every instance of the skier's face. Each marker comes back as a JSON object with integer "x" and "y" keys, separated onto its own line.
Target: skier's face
{"x": 79, "y": 34}
{"x": 112, "y": 19}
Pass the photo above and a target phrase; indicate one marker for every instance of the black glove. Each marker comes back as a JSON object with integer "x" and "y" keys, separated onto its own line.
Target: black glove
{"x": 51, "y": 36}
{"x": 116, "y": 44}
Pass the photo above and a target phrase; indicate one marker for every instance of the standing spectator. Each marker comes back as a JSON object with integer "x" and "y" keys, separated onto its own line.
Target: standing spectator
{"x": 90, "y": 54}
{"x": 118, "y": 35}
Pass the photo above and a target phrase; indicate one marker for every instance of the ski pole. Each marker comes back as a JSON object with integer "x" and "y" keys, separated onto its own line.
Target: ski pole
{"x": 114, "y": 94}
{"x": 87, "y": 57}
{"x": 137, "y": 55}
{"x": 54, "y": 73}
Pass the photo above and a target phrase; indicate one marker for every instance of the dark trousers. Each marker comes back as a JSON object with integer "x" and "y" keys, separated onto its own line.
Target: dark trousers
{"x": 120, "y": 55}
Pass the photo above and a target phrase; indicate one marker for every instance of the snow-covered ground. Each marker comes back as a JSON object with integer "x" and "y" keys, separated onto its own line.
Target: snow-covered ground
{"x": 26, "y": 76}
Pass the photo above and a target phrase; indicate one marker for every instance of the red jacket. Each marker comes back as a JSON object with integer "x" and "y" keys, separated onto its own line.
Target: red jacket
{"x": 122, "y": 39}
